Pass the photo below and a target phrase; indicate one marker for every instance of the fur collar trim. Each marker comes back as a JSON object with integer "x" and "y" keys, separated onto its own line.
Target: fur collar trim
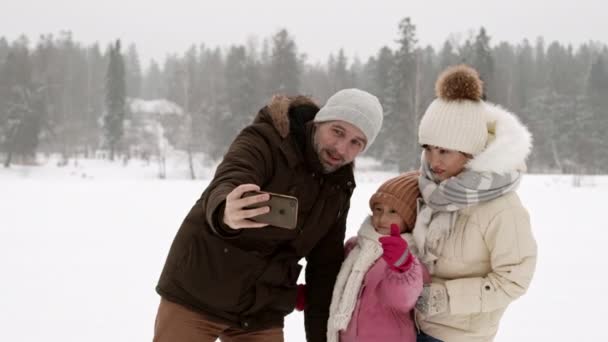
{"x": 509, "y": 145}
{"x": 278, "y": 109}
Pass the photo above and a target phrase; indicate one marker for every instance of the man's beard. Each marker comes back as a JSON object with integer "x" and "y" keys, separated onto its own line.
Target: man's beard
{"x": 327, "y": 168}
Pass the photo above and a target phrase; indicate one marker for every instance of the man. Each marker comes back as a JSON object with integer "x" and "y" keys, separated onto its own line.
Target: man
{"x": 227, "y": 276}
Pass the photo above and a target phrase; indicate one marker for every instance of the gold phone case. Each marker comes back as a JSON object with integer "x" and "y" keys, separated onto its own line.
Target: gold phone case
{"x": 283, "y": 210}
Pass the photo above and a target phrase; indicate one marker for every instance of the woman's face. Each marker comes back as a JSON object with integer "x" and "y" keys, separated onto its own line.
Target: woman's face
{"x": 445, "y": 163}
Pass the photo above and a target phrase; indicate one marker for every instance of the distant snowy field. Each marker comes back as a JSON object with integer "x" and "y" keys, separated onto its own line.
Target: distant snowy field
{"x": 81, "y": 249}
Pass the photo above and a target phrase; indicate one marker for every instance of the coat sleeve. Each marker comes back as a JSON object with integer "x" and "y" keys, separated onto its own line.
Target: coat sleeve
{"x": 322, "y": 267}
{"x": 513, "y": 260}
{"x": 248, "y": 161}
{"x": 400, "y": 290}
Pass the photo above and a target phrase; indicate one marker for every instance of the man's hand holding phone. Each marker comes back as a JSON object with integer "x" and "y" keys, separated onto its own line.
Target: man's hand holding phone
{"x": 236, "y": 216}
{"x": 248, "y": 207}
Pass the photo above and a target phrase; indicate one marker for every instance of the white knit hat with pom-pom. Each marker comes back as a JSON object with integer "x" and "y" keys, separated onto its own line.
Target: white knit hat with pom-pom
{"x": 457, "y": 119}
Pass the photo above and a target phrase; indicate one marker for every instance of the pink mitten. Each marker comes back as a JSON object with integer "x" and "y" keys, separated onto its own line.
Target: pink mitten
{"x": 396, "y": 254}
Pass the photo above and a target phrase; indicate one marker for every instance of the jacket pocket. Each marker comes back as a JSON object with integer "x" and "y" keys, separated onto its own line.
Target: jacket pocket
{"x": 221, "y": 275}
{"x": 460, "y": 322}
{"x": 275, "y": 289}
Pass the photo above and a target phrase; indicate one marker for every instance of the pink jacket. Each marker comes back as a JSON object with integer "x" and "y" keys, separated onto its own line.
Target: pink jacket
{"x": 385, "y": 303}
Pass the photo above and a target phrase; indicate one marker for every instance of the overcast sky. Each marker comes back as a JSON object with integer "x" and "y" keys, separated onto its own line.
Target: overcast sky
{"x": 320, "y": 27}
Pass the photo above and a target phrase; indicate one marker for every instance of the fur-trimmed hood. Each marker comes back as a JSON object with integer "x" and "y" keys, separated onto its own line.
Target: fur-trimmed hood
{"x": 509, "y": 144}
{"x": 285, "y": 111}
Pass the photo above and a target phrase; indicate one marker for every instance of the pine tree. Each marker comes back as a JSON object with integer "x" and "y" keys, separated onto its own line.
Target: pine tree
{"x": 541, "y": 69}
{"x": 48, "y": 73}
{"x": 133, "y": 72}
{"x": 96, "y": 65}
{"x": 213, "y": 108}
{"x": 375, "y": 77}
{"x": 264, "y": 69}
{"x": 66, "y": 73}
{"x": 173, "y": 79}
{"x": 77, "y": 109}
{"x": 505, "y": 62}
{"x": 152, "y": 87}
{"x": 115, "y": 99}
{"x": 4, "y": 48}
{"x": 241, "y": 82}
{"x": 558, "y": 63}
{"x": 192, "y": 89}
{"x": 316, "y": 83}
{"x": 466, "y": 53}
{"x": 403, "y": 121}
{"x": 428, "y": 70}
{"x": 29, "y": 115}
{"x": 44, "y": 76}
{"x": 383, "y": 69}
{"x": 597, "y": 95}
{"x": 523, "y": 82}
{"x": 23, "y": 107}
{"x": 483, "y": 62}
{"x": 447, "y": 56}
{"x": 597, "y": 86}
{"x": 544, "y": 112}
{"x": 339, "y": 75}
{"x": 357, "y": 74}
{"x": 285, "y": 68}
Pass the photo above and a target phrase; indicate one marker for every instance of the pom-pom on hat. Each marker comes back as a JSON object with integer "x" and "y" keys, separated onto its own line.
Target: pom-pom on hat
{"x": 457, "y": 119}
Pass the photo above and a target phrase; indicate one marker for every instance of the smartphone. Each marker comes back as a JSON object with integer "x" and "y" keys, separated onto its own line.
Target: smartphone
{"x": 283, "y": 210}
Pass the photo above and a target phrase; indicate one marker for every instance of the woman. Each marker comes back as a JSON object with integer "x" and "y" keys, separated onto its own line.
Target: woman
{"x": 472, "y": 231}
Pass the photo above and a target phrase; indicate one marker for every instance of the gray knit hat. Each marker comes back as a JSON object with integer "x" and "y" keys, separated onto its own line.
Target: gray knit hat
{"x": 356, "y": 107}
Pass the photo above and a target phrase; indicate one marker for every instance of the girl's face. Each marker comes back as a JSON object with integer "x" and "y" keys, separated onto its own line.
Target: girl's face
{"x": 445, "y": 163}
{"x": 382, "y": 218}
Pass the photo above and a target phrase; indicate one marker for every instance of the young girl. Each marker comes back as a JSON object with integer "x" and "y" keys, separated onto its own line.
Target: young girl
{"x": 381, "y": 279}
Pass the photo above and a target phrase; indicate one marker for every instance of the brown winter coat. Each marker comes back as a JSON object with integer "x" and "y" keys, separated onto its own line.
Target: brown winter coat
{"x": 247, "y": 278}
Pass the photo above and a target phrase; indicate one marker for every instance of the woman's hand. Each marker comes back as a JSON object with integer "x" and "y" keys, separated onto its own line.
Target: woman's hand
{"x": 433, "y": 300}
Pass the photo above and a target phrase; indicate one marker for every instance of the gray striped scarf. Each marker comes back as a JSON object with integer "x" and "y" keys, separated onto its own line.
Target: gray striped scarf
{"x": 441, "y": 201}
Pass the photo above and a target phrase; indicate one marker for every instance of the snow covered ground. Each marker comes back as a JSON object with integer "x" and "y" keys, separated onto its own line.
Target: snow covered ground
{"x": 81, "y": 249}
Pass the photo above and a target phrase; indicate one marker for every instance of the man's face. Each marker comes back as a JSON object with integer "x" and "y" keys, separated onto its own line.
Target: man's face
{"x": 337, "y": 143}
